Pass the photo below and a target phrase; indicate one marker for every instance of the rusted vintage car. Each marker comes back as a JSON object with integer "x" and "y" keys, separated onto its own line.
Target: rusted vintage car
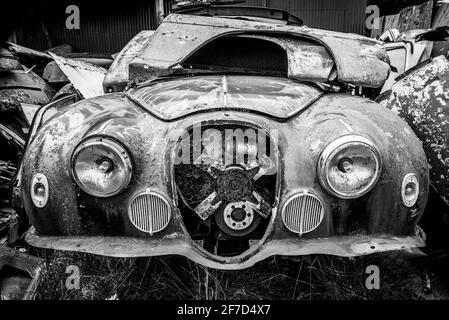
{"x": 228, "y": 135}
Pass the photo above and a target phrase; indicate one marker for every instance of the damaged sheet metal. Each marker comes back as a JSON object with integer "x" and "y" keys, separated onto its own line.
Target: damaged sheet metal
{"x": 54, "y": 75}
{"x": 349, "y": 228}
{"x": 85, "y": 77}
{"x": 20, "y": 50}
{"x": 117, "y": 77}
{"x": 404, "y": 55}
{"x": 421, "y": 98}
{"x": 186, "y": 96}
{"x": 359, "y": 60}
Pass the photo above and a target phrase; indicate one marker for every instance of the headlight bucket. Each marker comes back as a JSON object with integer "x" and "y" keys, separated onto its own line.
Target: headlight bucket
{"x": 101, "y": 167}
{"x": 349, "y": 167}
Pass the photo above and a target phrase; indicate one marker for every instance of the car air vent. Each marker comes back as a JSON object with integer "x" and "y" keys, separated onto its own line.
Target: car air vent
{"x": 149, "y": 212}
{"x": 303, "y": 213}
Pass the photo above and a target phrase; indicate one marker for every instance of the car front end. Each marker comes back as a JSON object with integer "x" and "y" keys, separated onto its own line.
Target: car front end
{"x": 226, "y": 170}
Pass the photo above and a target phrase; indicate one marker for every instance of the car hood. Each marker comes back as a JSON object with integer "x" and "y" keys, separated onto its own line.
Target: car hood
{"x": 273, "y": 97}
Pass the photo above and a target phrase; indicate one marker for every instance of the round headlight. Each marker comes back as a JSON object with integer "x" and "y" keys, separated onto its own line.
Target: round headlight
{"x": 101, "y": 167}
{"x": 349, "y": 167}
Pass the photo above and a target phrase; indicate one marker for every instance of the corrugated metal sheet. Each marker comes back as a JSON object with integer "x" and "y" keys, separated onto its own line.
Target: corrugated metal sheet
{"x": 117, "y": 25}
{"x": 335, "y": 15}
{"x": 109, "y": 32}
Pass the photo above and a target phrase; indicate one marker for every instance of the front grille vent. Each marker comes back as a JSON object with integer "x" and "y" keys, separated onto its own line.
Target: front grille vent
{"x": 303, "y": 213}
{"x": 149, "y": 212}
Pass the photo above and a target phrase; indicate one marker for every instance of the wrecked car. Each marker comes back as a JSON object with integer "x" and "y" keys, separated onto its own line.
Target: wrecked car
{"x": 420, "y": 97}
{"x": 228, "y": 137}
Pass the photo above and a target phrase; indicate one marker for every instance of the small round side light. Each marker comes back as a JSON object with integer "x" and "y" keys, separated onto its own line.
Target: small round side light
{"x": 410, "y": 190}
{"x": 39, "y": 190}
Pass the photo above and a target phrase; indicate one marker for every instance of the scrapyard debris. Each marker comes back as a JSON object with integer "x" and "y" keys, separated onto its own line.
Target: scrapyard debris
{"x": 56, "y": 77}
{"x": 86, "y": 78}
{"x": 437, "y": 34}
{"x": 117, "y": 78}
{"x": 61, "y": 50}
{"x": 23, "y": 92}
{"x": 97, "y": 59}
{"x": 20, "y": 50}
{"x": 404, "y": 52}
{"x": 427, "y": 284}
{"x": 15, "y": 140}
{"x": 19, "y": 86}
{"x": 420, "y": 97}
{"x": 7, "y": 171}
{"x": 53, "y": 74}
{"x": 29, "y": 57}
{"x": 19, "y": 274}
{"x": 8, "y": 61}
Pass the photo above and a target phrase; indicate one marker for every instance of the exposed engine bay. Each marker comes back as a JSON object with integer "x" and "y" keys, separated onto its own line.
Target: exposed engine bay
{"x": 227, "y": 193}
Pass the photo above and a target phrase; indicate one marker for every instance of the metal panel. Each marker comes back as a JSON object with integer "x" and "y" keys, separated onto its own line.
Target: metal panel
{"x": 335, "y": 15}
{"x": 107, "y": 32}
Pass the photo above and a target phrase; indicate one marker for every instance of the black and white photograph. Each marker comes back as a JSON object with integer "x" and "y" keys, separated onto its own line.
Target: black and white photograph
{"x": 221, "y": 156}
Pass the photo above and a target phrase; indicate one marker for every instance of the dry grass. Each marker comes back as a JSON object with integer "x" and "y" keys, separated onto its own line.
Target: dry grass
{"x": 166, "y": 278}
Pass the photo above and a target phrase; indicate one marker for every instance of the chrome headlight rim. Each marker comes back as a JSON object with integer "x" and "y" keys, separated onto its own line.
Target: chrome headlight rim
{"x": 333, "y": 149}
{"x": 117, "y": 148}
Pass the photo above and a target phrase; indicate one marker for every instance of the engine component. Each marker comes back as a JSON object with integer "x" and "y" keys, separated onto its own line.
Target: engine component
{"x": 238, "y": 219}
{"x": 237, "y": 216}
{"x": 227, "y": 191}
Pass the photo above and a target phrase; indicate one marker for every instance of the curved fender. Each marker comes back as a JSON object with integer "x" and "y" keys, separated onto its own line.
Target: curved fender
{"x": 421, "y": 99}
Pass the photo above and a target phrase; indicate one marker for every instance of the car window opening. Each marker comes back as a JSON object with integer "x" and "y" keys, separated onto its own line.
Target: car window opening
{"x": 240, "y": 55}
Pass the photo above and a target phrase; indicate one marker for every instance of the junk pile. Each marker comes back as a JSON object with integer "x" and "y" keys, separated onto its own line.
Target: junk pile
{"x": 30, "y": 79}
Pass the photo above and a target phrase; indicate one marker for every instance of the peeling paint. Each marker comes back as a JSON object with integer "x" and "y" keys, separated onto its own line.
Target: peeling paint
{"x": 359, "y": 60}
{"x": 421, "y": 99}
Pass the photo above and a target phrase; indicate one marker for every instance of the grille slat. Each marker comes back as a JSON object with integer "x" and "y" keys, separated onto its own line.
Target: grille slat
{"x": 303, "y": 213}
{"x": 149, "y": 212}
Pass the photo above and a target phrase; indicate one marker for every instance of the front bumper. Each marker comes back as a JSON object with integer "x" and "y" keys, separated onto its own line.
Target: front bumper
{"x": 127, "y": 247}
